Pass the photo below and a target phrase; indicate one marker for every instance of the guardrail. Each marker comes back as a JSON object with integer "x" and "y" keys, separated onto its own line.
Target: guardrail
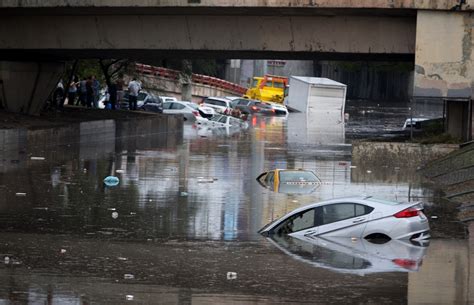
{"x": 196, "y": 78}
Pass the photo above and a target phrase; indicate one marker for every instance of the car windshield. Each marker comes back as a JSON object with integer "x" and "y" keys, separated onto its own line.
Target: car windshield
{"x": 141, "y": 96}
{"x": 297, "y": 176}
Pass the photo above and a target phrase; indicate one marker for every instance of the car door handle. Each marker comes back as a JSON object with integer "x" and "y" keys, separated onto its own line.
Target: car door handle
{"x": 358, "y": 220}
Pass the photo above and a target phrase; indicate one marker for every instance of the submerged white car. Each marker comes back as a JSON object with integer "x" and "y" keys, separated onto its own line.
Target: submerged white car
{"x": 354, "y": 217}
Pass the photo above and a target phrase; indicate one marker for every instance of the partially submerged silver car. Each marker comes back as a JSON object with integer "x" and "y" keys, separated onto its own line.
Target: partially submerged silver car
{"x": 354, "y": 217}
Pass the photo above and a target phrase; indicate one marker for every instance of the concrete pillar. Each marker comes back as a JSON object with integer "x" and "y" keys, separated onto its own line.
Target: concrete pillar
{"x": 25, "y": 86}
{"x": 444, "y": 65}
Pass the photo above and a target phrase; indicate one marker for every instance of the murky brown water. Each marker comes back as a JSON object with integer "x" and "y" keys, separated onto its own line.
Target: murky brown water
{"x": 186, "y": 213}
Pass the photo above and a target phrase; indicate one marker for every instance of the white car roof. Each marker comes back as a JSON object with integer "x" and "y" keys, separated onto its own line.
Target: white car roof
{"x": 218, "y": 98}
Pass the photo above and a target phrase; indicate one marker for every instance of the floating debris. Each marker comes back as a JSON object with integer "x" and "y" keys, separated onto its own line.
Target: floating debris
{"x": 122, "y": 258}
{"x": 369, "y": 171}
{"x": 20, "y": 194}
{"x": 6, "y": 260}
{"x": 63, "y": 251}
{"x": 352, "y": 166}
{"x": 120, "y": 171}
{"x": 129, "y": 297}
{"x": 183, "y": 194}
{"x": 115, "y": 215}
{"x": 128, "y": 276}
{"x": 231, "y": 275}
{"x": 38, "y": 158}
{"x": 111, "y": 181}
{"x": 434, "y": 217}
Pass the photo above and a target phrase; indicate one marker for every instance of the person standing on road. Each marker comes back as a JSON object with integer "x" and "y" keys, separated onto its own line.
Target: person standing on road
{"x": 89, "y": 92}
{"x": 72, "y": 91}
{"x": 120, "y": 84}
{"x": 95, "y": 91}
{"x": 133, "y": 89}
{"x": 82, "y": 92}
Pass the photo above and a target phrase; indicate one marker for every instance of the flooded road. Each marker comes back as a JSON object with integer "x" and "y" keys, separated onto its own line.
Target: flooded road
{"x": 181, "y": 226}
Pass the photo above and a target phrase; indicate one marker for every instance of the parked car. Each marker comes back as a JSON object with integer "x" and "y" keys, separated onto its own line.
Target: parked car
{"x": 354, "y": 217}
{"x": 190, "y": 111}
{"x": 168, "y": 98}
{"x": 359, "y": 257}
{"x": 289, "y": 180}
{"x": 278, "y": 109}
{"x": 152, "y": 106}
{"x": 246, "y": 106}
{"x": 221, "y": 120}
{"x": 220, "y": 105}
{"x": 143, "y": 96}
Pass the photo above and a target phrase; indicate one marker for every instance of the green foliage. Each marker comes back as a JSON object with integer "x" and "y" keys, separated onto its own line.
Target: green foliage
{"x": 88, "y": 67}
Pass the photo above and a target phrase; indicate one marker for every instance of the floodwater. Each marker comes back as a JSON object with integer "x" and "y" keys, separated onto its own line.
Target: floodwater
{"x": 181, "y": 226}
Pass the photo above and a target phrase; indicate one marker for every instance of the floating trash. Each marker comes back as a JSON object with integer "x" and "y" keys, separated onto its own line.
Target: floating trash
{"x": 38, "y": 158}
{"x": 63, "y": 251}
{"x": 129, "y": 297}
{"x": 6, "y": 260}
{"x": 231, "y": 275}
{"x": 369, "y": 171}
{"x": 120, "y": 171}
{"x": 183, "y": 194}
{"x": 206, "y": 180}
{"x": 111, "y": 181}
{"x": 352, "y": 166}
{"x": 434, "y": 217}
{"x": 20, "y": 194}
{"x": 121, "y": 258}
{"x": 128, "y": 276}
{"x": 115, "y": 215}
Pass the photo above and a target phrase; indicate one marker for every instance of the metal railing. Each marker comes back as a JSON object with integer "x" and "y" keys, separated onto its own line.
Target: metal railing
{"x": 196, "y": 78}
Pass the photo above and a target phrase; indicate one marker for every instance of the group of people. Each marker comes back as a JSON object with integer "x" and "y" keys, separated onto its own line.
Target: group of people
{"x": 86, "y": 93}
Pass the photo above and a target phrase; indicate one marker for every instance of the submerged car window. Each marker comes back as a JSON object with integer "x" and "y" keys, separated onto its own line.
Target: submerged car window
{"x": 298, "y": 176}
{"x": 166, "y": 105}
{"x": 337, "y": 212}
{"x": 269, "y": 177}
{"x": 223, "y": 119}
{"x": 362, "y": 209}
{"x": 298, "y": 222}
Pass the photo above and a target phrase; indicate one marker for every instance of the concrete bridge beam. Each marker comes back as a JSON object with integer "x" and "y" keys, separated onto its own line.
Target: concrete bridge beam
{"x": 25, "y": 86}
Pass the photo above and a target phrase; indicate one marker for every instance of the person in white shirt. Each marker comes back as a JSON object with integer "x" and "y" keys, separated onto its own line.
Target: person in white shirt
{"x": 133, "y": 88}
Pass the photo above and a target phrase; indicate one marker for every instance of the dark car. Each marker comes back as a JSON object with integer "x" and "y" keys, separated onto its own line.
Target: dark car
{"x": 247, "y": 106}
{"x": 143, "y": 98}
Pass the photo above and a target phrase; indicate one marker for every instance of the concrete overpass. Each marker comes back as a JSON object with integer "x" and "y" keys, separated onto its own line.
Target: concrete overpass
{"x": 435, "y": 34}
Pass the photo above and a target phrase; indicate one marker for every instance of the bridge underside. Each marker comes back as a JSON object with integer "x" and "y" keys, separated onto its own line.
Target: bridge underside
{"x": 151, "y": 56}
{"x": 155, "y": 36}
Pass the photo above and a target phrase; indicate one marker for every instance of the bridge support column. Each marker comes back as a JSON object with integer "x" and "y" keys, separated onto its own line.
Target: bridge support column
{"x": 25, "y": 86}
{"x": 444, "y": 63}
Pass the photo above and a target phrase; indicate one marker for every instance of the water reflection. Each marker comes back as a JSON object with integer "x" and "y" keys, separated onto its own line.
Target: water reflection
{"x": 353, "y": 256}
{"x": 176, "y": 185}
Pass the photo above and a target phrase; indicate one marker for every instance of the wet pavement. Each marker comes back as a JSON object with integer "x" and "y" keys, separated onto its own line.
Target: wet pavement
{"x": 181, "y": 226}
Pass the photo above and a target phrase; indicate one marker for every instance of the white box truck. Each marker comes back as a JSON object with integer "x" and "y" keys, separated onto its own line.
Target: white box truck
{"x": 321, "y": 102}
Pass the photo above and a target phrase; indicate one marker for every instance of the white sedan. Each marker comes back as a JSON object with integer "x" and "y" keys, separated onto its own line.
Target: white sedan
{"x": 354, "y": 217}
{"x": 190, "y": 111}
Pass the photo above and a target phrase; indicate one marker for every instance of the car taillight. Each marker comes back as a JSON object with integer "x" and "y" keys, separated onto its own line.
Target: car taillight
{"x": 254, "y": 108}
{"x": 406, "y": 263}
{"x": 407, "y": 213}
{"x": 196, "y": 113}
